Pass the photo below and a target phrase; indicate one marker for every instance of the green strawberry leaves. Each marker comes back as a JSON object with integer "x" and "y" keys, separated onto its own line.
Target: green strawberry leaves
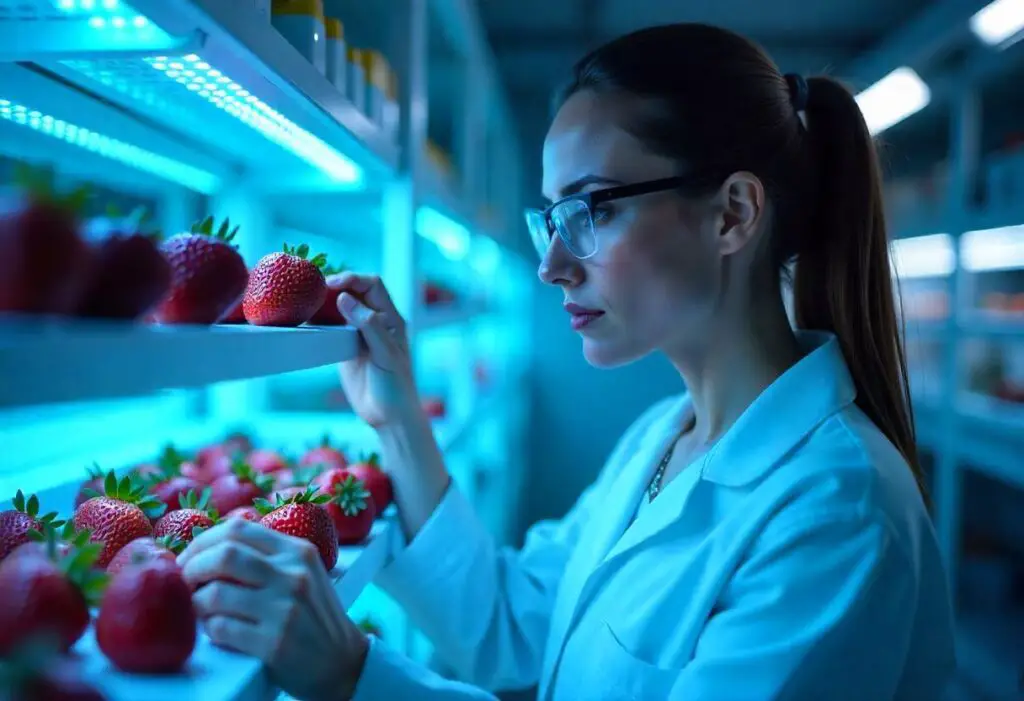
{"x": 78, "y": 563}
{"x": 30, "y": 507}
{"x": 351, "y": 494}
{"x": 319, "y": 261}
{"x": 40, "y": 185}
{"x": 206, "y": 228}
{"x": 132, "y": 491}
{"x": 244, "y": 472}
{"x": 311, "y": 495}
{"x": 370, "y": 460}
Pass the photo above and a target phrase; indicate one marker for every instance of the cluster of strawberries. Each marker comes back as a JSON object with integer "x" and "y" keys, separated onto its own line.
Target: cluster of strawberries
{"x": 118, "y": 551}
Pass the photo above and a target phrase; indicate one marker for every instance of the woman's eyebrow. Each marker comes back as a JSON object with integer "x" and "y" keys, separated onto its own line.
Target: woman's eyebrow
{"x": 576, "y": 186}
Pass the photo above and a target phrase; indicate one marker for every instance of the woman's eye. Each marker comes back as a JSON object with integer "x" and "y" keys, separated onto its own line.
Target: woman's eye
{"x": 603, "y": 213}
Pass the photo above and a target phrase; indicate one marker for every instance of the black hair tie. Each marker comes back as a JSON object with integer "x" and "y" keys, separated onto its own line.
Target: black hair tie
{"x": 797, "y": 85}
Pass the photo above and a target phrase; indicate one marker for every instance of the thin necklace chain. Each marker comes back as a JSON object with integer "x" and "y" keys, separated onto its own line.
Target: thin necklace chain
{"x": 654, "y": 488}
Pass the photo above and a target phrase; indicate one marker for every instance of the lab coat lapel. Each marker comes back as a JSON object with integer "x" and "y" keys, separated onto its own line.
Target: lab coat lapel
{"x": 606, "y": 527}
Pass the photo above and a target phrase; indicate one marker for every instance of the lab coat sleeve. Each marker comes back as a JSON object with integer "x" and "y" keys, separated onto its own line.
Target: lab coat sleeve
{"x": 486, "y": 609}
{"x": 821, "y": 609}
{"x": 389, "y": 676}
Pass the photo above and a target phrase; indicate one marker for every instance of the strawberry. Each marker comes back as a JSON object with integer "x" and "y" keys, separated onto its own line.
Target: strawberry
{"x": 118, "y": 516}
{"x": 303, "y": 516}
{"x": 266, "y": 461}
{"x": 238, "y": 488}
{"x": 434, "y": 407}
{"x": 168, "y": 484}
{"x": 44, "y": 261}
{"x": 16, "y": 523}
{"x": 285, "y": 289}
{"x": 146, "y": 622}
{"x": 328, "y": 314}
{"x": 376, "y": 480}
{"x": 249, "y": 513}
{"x": 130, "y": 276}
{"x": 190, "y": 520}
{"x": 94, "y": 483}
{"x": 166, "y": 548}
{"x": 237, "y": 442}
{"x": 235, "y": 316}
{"x": 46, "y": 592}
{"x": 286, "y": 493}
{"x": 324, "y": 454}
{"x": 208, "y": 275}
{"x": 351, "y": 509}
{"x": 38, "y": 671}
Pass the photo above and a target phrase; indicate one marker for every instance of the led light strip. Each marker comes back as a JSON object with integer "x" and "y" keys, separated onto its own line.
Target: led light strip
{"x": 207, "y": 82}
{"x": 104, "y": 13}
{"x": 114, "y": 149}
{"x": 980, "y": 251}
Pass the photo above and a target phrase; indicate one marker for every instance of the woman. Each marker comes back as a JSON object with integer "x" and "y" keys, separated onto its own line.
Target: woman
{"x": 761, "y": 537}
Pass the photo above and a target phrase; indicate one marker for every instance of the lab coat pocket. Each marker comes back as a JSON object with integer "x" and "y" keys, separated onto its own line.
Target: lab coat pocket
{"x": 622, "y": 674}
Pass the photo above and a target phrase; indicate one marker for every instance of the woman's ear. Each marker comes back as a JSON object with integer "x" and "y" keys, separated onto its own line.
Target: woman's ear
{"x": 742, "y": 202}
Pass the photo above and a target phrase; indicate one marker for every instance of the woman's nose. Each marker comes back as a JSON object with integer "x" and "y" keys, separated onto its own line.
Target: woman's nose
{"x": 559, "y": 267}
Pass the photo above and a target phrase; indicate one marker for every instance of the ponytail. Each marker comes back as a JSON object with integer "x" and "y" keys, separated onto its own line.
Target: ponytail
{"x": 842, "y": 282}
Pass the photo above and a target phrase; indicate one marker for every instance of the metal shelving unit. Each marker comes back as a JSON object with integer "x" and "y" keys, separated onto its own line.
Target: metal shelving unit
{"x": 202, "y": 107}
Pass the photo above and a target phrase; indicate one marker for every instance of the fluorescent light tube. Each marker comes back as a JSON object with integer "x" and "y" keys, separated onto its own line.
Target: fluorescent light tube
{"x": 998, "y": 21}
{"x": 993, "y": 249}
{"x": 892, "y": 99}
{"x": 923, "y": 256}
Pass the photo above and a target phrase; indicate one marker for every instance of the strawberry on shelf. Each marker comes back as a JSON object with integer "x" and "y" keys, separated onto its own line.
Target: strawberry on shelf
{"x": 351, "y": 508}
{"x": 138, "y": 635}
{"x": 328, "y": 314}
{"x": 238, "y": 488}
{"x": 47, "y": 587}
{"x": 285, "y": 288}
{"x": 325, "y": 454}
{"x": 192, "y": 518}
{"x": 369, "y": 472}
{"x": 118, "y": 515}
{"x": 45, "y": 263}
{"x": 303, "y": 516}
{"x": 208, "y": 275}
{"x": 165, "y": 547}
{"x": 17, "y": 523}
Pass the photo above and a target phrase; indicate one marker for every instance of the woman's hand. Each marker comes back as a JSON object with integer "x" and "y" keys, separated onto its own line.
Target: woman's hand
{"x": 266, "y": 594}
{"x": 379, "y": 383}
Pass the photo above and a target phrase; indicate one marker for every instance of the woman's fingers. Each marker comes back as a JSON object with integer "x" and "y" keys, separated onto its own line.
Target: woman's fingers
{"x": 378, "y": 329}
{"x": 238, "y": 530}
{"x": 229, "y": 560}
{"x": 236, "y": 634}
{"x": 369, "y": 289}
{"x": 223, "y": 598}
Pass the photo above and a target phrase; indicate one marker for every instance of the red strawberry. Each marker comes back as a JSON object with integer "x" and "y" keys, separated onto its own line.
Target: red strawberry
{"x": 377, "y": 481}
{"x": 119, "y": 516}
{"x": 130, "y": 277}
{"x": 351, "y": 509}
{"x": 93, "y": 484}
{"x": 249, "y": 513}
{"x": 188, "y": 521}
{"x": 328, "y": 314}
{"x": 324, "y": 454}
{"x": 44, "y": 261}
{"x": 141, "y": 549}
{"x": 238, "y": 488}
{"x": 434, "y": 407}
{"x": 16, "y": 523}
{"x": 285, "y": 289}
{"x": 235, "y": 316}
{"x": 303, "y": 516}
{"x": 45, "y": 592}
{"x": 208, "y": 275}
{"x": 266, "y": 461}
{"x": 38, "y": 671}
{"x": 146, "y": 622}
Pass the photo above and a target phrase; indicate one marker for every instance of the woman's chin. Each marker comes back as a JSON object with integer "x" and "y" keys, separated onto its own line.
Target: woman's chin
{"x": 608, "y": 353}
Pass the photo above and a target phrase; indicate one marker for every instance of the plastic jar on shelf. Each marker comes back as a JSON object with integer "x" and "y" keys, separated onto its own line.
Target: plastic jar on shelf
{"x": 337, "y": 56}
{"x": 301, "y": 23}
{"x": 356, "y": 79}
{"x": 376, "y": 70}
{"x": 391, "y": 113}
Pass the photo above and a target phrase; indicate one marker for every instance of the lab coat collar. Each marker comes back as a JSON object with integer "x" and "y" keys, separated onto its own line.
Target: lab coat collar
{"x": 816, "y": 387}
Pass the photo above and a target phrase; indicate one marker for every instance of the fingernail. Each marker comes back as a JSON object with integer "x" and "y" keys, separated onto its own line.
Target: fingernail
{"x": 353, "y": 310}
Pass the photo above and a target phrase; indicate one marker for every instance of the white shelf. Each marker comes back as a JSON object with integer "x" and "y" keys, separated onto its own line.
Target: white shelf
{"x": 214, "y": 674}
{"x": 257, "y": 105}
{"x": 85, "y": 360}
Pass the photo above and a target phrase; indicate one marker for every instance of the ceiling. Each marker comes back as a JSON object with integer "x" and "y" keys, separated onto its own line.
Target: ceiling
{"x": 535, "y": 43}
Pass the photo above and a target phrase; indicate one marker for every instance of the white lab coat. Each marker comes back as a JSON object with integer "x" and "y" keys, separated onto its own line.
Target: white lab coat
{"x": 796, "y": 560}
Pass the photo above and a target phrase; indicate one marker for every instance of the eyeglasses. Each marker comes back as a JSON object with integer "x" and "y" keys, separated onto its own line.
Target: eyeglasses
{"x": 572, "y": 217}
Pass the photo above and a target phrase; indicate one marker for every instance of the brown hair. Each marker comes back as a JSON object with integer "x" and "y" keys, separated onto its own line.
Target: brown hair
{"x": 721, "y": 106}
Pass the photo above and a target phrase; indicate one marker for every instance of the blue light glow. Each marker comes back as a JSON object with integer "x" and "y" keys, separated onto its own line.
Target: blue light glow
{"x": 485, "y": 256}
{"x": 197, "y": 76}
{"x": 106, "y": 15}
{"x": 109, "y": 147}
{"x": 448, "y": 235}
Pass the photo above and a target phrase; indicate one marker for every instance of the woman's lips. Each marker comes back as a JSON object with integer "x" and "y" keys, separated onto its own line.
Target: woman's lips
{"x": 582, "y": 316}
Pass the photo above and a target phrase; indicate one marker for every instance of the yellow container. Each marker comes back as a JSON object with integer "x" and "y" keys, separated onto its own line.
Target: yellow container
{"x": 356, "y": 78}
{"x": 313, "y": 8}
{"x": 301, "y": 23}
{"x": 337, "y": 57}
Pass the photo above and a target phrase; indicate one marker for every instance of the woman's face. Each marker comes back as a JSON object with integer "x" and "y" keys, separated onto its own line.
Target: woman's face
{"x": 656, "y": 280}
